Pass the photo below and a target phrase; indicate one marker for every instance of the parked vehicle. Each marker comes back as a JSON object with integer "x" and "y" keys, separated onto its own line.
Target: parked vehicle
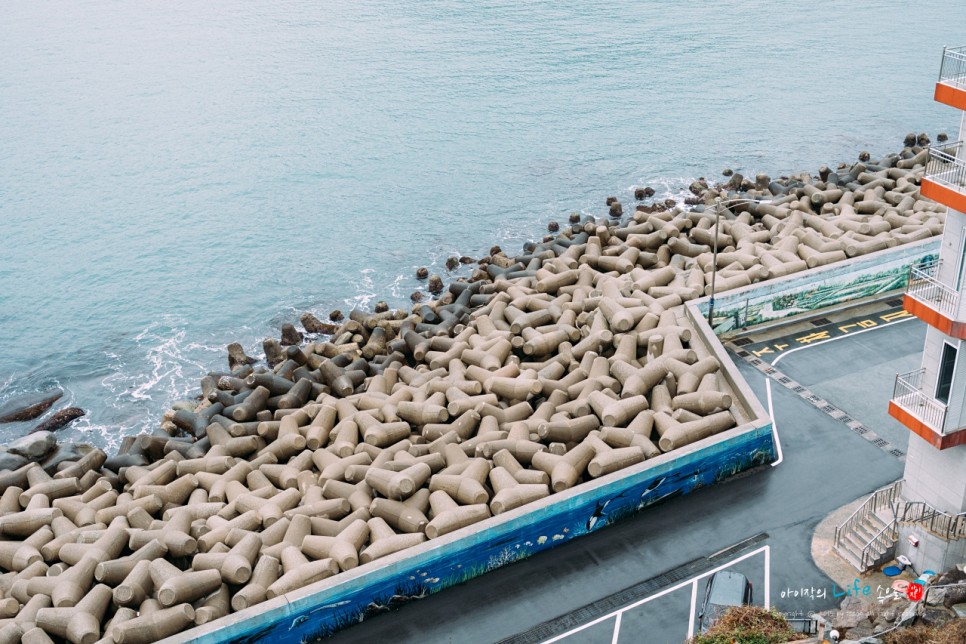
{"x": 725, "y": 589}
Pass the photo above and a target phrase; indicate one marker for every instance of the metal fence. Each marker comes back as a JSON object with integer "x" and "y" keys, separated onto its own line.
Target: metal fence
{"x": 945, "y": 166}
{"x": 953, "y": 69}
{"x": 944, "y": 525}
{"x": 908, "y": 394}
{"x": 924, "y": 285}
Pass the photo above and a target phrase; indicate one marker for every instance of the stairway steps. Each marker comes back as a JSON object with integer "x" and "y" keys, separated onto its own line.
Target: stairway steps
{"x": 850, "y": 556}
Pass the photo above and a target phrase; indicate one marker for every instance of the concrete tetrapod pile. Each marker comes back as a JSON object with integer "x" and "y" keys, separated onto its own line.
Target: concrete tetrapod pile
{"x": 567, "y": 363}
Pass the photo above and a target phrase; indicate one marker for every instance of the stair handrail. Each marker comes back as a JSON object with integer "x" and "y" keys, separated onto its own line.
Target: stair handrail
{"x": 942, "y": 524}
{"x": 882, "y": 540}
{"x": 883, "y": 497}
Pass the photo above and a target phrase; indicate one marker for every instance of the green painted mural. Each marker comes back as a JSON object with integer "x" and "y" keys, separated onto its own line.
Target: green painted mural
{"x": 871, "y": 275}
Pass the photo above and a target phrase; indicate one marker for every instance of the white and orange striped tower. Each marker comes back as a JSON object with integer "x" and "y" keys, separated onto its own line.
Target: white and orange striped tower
{"x": 931, "y": 401}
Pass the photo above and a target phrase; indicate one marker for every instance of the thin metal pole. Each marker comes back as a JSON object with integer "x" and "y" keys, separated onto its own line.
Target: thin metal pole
{"x": 714, "y": 261}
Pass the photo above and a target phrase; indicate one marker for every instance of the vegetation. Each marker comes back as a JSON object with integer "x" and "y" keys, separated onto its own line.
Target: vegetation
{"x": 748, "y": 625}
{"x": 952, "y": 633}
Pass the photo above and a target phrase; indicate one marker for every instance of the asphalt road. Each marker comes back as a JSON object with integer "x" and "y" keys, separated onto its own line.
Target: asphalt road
{"x": 825, "y": 466}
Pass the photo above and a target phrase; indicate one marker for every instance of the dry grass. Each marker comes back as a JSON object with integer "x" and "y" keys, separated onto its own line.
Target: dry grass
{"x": 748, "y": 625}
{"x": 952, "y": 633}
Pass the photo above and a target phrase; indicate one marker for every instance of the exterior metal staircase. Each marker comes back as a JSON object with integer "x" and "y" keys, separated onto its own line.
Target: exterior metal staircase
{"x": 868, "y": 537}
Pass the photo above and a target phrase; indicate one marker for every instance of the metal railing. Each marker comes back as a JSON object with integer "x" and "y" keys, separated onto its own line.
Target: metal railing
{"x": 942, "y": 524}
{"x": 923, "y": 284}
{"x": 886, "y": 497}
{"x": 881, "y": 542}
{"x": 945, "y": 167}
{"x": 953, "y": 68}
{"x": 908, "y": 394}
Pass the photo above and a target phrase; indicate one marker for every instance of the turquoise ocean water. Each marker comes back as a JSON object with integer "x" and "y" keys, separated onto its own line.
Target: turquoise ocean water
{"x": 176, "y": 176}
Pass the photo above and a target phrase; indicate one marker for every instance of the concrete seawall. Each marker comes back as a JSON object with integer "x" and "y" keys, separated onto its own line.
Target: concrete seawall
{"x": 330, "y": 605}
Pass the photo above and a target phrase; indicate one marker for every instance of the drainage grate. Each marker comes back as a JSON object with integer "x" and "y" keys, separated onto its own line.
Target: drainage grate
{"x": 894, "y": 302}
{"x": 828, "y": 409}
{"x": 898, "y": 453}
{"x": 769, "y": 371}
{"x": 846, "y": 419}
{"x": 742, "y": 353}
{"x": 879, "y": 442}
{"x": 797, "y": 388}
{"x": 740, "y": 342}
{"x": 820, "y": 322}
{"x": 860, "y": 430}
{"x": 784, "y": 380}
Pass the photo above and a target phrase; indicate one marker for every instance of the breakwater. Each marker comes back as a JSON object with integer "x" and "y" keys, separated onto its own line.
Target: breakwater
{"x": 546, "y": 370}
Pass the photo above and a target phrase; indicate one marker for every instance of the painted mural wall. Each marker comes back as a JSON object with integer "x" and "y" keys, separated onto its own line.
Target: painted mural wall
{"x": 815, "y": 289}
{"x": 320, "y": 610}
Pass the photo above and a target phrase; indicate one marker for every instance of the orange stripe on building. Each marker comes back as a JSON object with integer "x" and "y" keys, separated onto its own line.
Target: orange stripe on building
{"x": 937, "y": 440}
{"x": 952, "y": 96}
{"x": 946, "y": 196}
{"x": 934, "y": 318}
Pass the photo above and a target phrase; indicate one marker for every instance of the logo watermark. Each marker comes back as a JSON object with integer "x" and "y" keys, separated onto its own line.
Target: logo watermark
{"x": 913, "y": 592}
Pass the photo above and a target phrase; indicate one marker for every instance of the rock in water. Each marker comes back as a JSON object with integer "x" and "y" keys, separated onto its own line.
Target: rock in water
{"x": 10, "y": 461}
{"x": 313, "y": 324}
{"x": 34, "y": 446}
{"x": 29, "y": 406}
{"x": 290, "y": 335}
{"x": 236, "y": 356}
{"x": 63, "y": 452}
{"x": 60, "y": 419}
{"x": 273, "y": 351}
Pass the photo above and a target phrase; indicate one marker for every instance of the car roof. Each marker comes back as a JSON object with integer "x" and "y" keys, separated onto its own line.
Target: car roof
{"x": 727, "y": 588}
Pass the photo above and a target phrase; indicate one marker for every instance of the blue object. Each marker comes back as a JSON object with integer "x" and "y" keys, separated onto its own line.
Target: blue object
{"x": 891, "y": 571}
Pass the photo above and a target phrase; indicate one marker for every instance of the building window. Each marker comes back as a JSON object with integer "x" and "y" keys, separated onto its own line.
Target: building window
{"x": 947, "y": 366}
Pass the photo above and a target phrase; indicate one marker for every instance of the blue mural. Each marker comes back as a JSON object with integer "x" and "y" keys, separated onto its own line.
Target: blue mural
{"x": 313, "y": 615}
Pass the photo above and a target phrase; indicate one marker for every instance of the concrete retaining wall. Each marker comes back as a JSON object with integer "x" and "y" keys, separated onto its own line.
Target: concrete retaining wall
{"x": 813, "y": 290}
{"x": 330, "y": 605}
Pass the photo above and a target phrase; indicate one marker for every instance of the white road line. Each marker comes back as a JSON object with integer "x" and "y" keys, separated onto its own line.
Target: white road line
{"x": 617, "y": 629}
{"x": 774, "y": 424}
{"x": 678, "y": 586}
{"x": 767, "y": 579}
{"x": 771, "y": 408}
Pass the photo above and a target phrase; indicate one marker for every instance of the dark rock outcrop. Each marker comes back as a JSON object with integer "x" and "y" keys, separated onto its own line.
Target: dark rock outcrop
{"x": 28, "y": 406}
{"x": 59, "y": 419}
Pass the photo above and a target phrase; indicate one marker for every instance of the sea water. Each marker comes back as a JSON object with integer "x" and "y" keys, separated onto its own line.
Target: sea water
{"x": 175, "y": 176}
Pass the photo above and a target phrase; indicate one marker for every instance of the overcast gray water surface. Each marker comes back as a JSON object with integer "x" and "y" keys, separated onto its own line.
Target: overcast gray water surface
{"x": 176, "y": 176}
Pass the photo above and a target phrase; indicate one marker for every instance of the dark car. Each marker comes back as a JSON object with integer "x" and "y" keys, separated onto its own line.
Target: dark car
{"x": 725, "y": 589}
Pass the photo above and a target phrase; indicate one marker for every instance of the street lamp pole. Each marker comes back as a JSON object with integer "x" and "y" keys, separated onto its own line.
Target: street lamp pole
{"x": 714, "y": 261}
{"x": 718, "y": 203}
